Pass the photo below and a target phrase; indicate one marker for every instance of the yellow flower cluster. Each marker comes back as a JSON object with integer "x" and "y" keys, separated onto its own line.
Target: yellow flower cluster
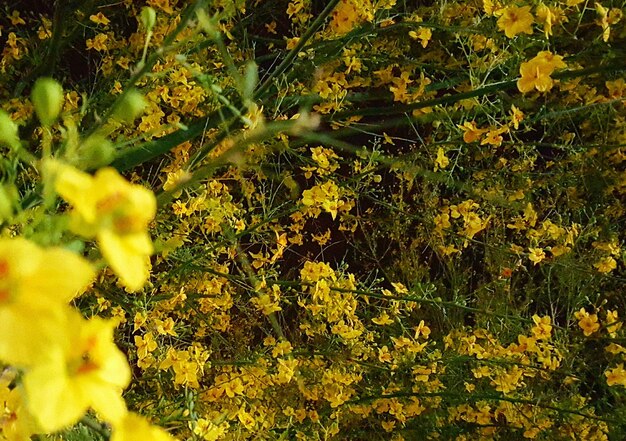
{"x": 326, "y": 196}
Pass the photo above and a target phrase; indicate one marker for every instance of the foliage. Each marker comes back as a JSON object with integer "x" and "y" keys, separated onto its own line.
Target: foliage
{"x": 349, "y": 219}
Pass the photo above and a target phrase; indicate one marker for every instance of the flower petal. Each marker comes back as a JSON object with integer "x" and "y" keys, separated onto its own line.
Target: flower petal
{"x": 128, "y": 256}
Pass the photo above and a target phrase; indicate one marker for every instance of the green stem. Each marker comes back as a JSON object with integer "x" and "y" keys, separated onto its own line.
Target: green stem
{"x": 267, "y": 132}
{"x": 495, "y": 87}
{"x": 291, "y": 56}
{"x": 97, "y": 427}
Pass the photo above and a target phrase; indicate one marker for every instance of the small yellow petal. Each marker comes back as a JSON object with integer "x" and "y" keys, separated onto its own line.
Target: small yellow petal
{"x": 61, "y": 276}
{"x": 128, "y": 256}
{"x": 74, "y": 186}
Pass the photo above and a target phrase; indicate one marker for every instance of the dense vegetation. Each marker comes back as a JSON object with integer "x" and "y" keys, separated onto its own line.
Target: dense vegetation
{"x": 351, "y": 219}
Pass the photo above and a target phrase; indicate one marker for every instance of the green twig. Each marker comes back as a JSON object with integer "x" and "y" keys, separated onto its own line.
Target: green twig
{"x": 291, "y": 56}
{"x": 97, "y": 427}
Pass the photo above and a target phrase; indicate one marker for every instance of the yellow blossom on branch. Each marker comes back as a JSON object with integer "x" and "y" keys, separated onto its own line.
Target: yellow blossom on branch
{"x": 115, "y": 212}
{"x": 616, "y": 376}
{"x": 494, "y": 136}
{"x": 98, "y": 43}
{"x": 383, "y": 319}
{"x": 266, "y": 304}
{"x": 612, "y": 323}
{"x": 543, "y": 327}
{"x": 603, "y": 21}
{"x": 545, "y": 17}
{"x": 587, "y": 322}
{"x": 473, "y": 224}
{"x": 471, "y": 132}
{"x": 349, "y": 14}
{"x": 536, "y": 255}
{"x": 326, "y": 196}
{"x": 536, "y": 72}
{"x": 423, "y": 34}
{"x": 606, "y": 265}
{"x": 517, "y": 116}
{"x": 514, "y": 20}
{"x": 441, "y": 161}
{"x": 205, "y": 429}
{"x": 100, "y": 19}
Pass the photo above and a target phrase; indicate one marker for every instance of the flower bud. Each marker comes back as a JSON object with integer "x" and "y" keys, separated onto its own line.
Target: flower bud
{"x": 47, "y": 97}
{"x": 131, "y": 106}
{"x": 8, "y": 131}
{"x": 95, "y": 152}
{"x": 148, "y": 18}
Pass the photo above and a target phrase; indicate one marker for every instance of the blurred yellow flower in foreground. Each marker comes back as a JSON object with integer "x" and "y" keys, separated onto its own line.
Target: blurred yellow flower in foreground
{"x": 83, "y": 369}
{"x": 115, "y": 212}
{"x": 136, "y": 428}
{"x": 35, "y": 283}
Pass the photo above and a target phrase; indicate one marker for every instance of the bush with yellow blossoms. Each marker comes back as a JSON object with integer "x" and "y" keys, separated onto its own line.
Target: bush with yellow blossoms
{"x": 300, "y": 220}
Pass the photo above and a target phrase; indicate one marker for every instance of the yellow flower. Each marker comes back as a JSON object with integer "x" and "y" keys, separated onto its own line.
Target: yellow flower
{"x": 35, "y": 282}
{"x": 99, "y": 42}
{"x": 345, "y": 17}
{"x": 100, "y": 19}
{"x": 508, "y": 381}
{"x": 383, "y": 319}
{"x": 164, "y": 5}
{"x": 615, "y": 349}
{"x": 471, "y": 133}
{"x": 617, "y": 375}
{"x": 282, "y": 348}
{"x": 16, "y": 19}
{"x": 494, "y": 136}
{"x": 136, "y": 428}
{"x": 83, "y": 369}
{"x": 325, "y": 196}
{"x": 587, "y": 322}
{"x": 115, "y": 212}
{"x": 207, "y": 430}
{"x": 605, "y": 265}
{"x": 545, "y": 16}
{"x": 514, "y": 20}
{"x": 441, "y": 161}
{"x": 603, "y": 21}
{"x": 266, "y": 304}
{"x": 517, "y": 116}
{"x": 536, "y": 72}
{"x": 536, "y": 255}
{"x": 423, "y": 34}
{"x": 542, "y": 328}
{"x": 473, "y": 224}
{"x": 421, "y": 330}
